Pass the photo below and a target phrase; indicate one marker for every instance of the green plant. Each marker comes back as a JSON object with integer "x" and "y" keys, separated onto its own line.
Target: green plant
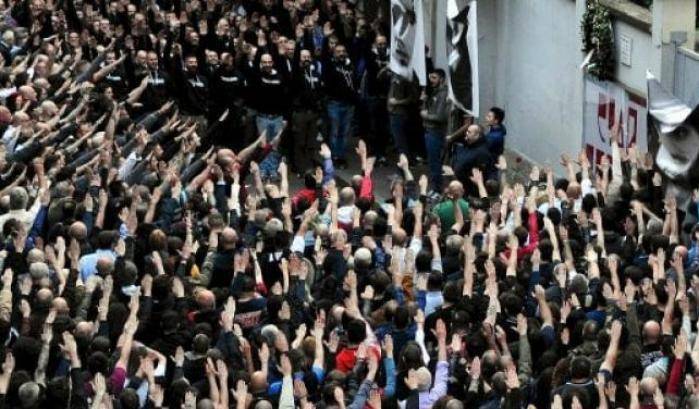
{"x": 598, "y": 38}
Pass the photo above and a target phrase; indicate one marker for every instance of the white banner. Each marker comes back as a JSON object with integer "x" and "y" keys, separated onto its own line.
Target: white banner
{"x": 462, "y": 54}
{"x": 607, "y": 103}
{"x": 418, "y": 61}
{"x": 408, "y": 39}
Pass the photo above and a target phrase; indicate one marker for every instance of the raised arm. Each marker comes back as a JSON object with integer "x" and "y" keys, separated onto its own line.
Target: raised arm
{"x": 544, "y": 309}
{"x": 613, "y": 348}
{"x": 477, "y": 179}
{"x": 104, "y": 71}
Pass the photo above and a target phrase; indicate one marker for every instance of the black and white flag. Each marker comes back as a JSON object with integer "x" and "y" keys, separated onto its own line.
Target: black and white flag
{"x": 408, "y": 39}
{"x": 462, "y": 54}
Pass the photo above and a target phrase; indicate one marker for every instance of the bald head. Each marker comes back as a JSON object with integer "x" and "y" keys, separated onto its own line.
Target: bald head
{"x": 258, "y": 382}
{"x": 27, "y": 92}
{"x": 45, "y": 296}
{"x": 228, "y": 238}
{"x": 455, "y": 189}
{"x": 206, "y": 299}
{"x": 60, "y": 305}
{"x": 347, "y": 196}
{"x": 84, "y": 328}
{"x": 473, "y": 133}
{"x": 651, "y": 332}
{"x": 104, "y": 266}
{"x": 264, "y": 404}
{"x": 78, "y": 231}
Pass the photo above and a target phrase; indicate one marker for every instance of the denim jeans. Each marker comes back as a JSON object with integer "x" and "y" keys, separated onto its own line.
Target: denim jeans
{"x": 434, "y": 143}
{"x": 270, "y": 123}
{"x": 270, "y": 164}
{"x": 399, "y": 130}
{"x": 340, "y": 116}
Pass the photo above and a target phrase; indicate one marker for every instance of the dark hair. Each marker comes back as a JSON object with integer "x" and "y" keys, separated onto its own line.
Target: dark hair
{"x": 439, "y": 72}
{"x": 512, "y": 304}
{"x": 580, "y": 367}
{"x": 247, "y": 283}
{"x": 309, "y": 179}
{"x": 401, "y": 317}
{"x": 410, "y": 357}
{"x": 356, "y": 331}
{"x": 106, "y": 239}
{"x": 498, "y": 113}
{"x": 98, "y": 362}
{"x": 129, "y": 399}
{"x": 434, "y": 281}
{"x": 423, "y": 261}
{"x": 451, "y": 292}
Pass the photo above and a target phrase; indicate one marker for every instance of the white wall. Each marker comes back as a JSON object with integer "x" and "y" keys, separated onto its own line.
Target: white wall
{"x": 643, "y": 57}
{"x": 529, "y": 65}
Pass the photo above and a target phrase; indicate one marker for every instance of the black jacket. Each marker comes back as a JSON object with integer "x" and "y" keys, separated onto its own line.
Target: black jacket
{"x": 270, "y": 92}
{"x": 378, "y": 75}
{"x": 338, "y": 78}
{"x": 307, "y": 88}
{"x": 468, "y": 157}
{"x": 228, "y": 87}
{"x": 158, "y": 91}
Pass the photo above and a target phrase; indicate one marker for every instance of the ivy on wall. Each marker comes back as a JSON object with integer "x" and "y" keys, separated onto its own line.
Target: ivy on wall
{"x": 598, "y": 38}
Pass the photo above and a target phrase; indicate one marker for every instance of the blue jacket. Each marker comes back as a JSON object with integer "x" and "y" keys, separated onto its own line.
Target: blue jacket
{"x": 496, "y": 140}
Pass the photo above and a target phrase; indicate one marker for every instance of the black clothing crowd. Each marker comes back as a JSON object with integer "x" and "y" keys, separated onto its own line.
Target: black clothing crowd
{"x": 153, "y": 252}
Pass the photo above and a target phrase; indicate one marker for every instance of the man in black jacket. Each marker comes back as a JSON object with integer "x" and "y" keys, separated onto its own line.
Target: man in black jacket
{"x": 227, "y": 93}
{"x": 159, "y": 85}
{"x": 193, "y": 87}
{"x": 269, "y": 98}
{"x": 377, "y": 79}
{"x": 304, "y": 120}
{"x": 338, "y": 77}
{"x": 470, "y": 154}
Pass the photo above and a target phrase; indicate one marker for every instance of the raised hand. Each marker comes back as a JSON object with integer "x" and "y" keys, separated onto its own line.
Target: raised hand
{"x": 240, "y": 393}
{"x": 361, "y": 149}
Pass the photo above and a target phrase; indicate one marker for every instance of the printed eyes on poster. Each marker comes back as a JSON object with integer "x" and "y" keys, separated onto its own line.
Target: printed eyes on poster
{"x": 677, "y": 128}
{"x": 408, "y": 39}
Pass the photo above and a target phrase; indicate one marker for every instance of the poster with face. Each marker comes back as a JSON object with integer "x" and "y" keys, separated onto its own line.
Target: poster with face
{"x": 677, "y": 129}
{"x": 462, "y": 54}
{"x": 408, "y": 39}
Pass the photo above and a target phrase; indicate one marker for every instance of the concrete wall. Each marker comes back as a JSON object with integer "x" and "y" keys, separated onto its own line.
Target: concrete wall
{"x": 643, "y": 57}
{"x": 529, "y": 58}
{"x": 686, "y": 78}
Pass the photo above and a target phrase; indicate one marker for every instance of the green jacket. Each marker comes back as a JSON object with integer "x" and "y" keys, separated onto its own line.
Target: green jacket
{"x": 445, "y": 211}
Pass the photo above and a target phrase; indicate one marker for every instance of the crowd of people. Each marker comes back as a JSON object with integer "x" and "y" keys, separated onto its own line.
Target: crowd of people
{"x": 154, "y": 254}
